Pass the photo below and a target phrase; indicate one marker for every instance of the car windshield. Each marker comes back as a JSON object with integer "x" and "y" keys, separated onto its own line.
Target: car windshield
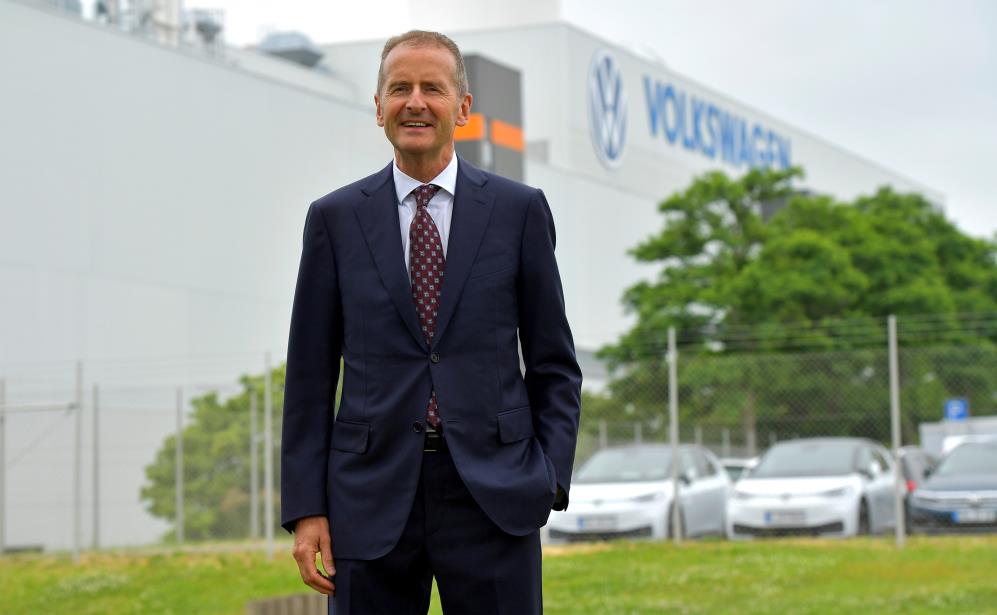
{"x": 622, "y": 465}
{"x": 969, "y": 459}
{"x": 795, "y": 459}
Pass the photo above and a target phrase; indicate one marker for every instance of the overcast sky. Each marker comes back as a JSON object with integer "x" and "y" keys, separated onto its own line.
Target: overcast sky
{"x": 909, "y": 84}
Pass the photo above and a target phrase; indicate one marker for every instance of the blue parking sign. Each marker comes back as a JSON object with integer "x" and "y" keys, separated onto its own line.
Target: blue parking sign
{"x": 956, "y": 409}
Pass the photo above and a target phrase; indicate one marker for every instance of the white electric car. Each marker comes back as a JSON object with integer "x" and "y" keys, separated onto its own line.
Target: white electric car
{"x": 627, "y": 492}
{"x": 738, "y": 466}
{"x": 816, "y": 486}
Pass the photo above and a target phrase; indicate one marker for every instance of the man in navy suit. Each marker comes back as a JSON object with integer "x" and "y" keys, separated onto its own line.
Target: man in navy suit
{"x": 426, "y": 279}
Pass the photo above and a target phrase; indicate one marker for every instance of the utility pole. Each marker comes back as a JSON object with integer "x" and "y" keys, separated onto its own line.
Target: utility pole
{"x": 673, "y": 417}
{"x": 254, "y": 470}
{"x": 178, "y": 481}
{"x": 899, "y": 483}
{"x": 3, "y": 465}
{"x": 268, "y": 455}
{"x": 96, "y": 467}
{"x": 78, "y": 467}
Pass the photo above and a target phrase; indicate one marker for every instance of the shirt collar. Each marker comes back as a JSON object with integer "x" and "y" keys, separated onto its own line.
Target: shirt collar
{"x": 447, "y": 179}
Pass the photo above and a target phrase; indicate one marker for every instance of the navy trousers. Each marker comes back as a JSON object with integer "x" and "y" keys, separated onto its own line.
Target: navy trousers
{"x": 478, "y": 567}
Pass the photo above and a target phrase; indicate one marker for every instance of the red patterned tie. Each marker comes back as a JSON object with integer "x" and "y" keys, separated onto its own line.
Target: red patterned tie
{"x": 426, "y": 265}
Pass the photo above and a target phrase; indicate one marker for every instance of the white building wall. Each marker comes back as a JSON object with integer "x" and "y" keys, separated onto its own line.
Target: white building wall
{"x": 158, "y": 192}
{"x": 151, "y": 206}
{"x": 590, "y": 234}
{"x": 554, "y": 61}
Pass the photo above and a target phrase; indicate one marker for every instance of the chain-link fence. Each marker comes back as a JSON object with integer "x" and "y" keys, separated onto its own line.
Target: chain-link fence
{"x": 113, "y": 453}
{"x": 740, "y": 405}
{"x": 741, "y": 393}
{"x": 742, "y": 402}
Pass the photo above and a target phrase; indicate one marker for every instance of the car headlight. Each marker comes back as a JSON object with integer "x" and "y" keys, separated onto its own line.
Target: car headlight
{"x": 649, "y": 497}
{"x": 743, "y": 495}
{"x": 836, "y": 493}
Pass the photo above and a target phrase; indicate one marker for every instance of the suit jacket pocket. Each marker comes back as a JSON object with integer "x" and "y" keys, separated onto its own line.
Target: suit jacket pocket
{"x": 475, "y": 275}
{"x": 350, "y": 437}
{"x": 515, "y": 425}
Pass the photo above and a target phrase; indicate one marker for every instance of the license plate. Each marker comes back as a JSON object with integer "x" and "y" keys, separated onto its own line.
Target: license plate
{"x": 974, "y": 516}
{"x": 786, "y": 517}
{"x": 596, "y": 523}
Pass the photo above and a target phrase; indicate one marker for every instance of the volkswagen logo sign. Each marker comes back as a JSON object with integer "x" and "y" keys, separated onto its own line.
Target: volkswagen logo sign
{"x": 607, "y": 109}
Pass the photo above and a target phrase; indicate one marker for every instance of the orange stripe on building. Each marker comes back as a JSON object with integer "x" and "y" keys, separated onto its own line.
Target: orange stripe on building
{"x": 507, "y": 135}
{"x": 474, "y": 130}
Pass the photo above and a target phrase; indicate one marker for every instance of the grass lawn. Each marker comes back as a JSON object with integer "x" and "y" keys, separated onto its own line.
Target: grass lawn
{"x": 945, "y": 574}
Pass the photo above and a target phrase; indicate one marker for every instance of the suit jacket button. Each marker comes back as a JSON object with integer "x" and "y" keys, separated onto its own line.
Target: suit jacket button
{"x": 417, "y": 427}
{"x": 435, "y": 358}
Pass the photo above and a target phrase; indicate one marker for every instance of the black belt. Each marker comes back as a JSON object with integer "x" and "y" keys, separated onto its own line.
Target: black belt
{"x": 434, "y": 442}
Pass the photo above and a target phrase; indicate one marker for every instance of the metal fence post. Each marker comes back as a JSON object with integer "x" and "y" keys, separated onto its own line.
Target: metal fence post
{"x": 638, "y": 432}
{"x": 3, "y": 465}
{"x": 96, "y": 467}
{"x": 78, "y": 467}
{"x": 898, "y": 500}
{"x": 603, "y": 434}
{"x": 254, "y": 471}
{"x": 178, "y": 480}
{"x": 699, "y": 434}
{"x": 673, "y": 419}
{"x": 725, "y": 442}
{"x": 268, "y": 455}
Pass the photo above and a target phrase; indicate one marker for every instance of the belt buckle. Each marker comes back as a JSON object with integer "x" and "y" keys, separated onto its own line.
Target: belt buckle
{"x": 433, "y": 442}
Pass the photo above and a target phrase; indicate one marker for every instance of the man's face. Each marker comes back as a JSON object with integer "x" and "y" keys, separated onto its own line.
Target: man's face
{"x": 419, "y": 105}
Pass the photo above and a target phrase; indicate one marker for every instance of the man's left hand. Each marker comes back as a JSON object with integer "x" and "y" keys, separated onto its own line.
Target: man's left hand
{"x": 311, "y": 536}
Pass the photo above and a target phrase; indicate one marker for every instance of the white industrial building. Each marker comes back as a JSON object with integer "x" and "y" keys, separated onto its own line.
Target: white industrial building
{"x": 152, "y": 197}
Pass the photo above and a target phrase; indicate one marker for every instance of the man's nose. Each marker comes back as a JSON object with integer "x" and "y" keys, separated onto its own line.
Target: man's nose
{"x": 415, "y": 101}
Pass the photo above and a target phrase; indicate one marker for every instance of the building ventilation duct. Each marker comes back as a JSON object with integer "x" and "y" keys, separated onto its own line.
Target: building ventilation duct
{"x": 208, "y": 24}
{"x": 293, "y": 46}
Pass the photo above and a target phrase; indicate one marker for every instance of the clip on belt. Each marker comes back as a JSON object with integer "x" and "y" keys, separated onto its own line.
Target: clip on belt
{"x": 434, "y": 442}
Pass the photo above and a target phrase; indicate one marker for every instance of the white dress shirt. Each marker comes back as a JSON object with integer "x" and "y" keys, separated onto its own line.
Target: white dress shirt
{"x": 440, "y": 206}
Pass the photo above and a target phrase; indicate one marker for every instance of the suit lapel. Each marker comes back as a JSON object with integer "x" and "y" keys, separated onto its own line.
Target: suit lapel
{"x": 472, "y": 208}
{"x": 378, "y": 217}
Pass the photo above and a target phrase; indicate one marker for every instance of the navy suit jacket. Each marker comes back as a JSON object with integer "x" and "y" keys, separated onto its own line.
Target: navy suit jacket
{"x": 512, "y": 435}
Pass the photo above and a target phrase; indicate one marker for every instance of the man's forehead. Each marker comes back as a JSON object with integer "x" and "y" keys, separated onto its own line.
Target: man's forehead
{"x": 393, "y": 59}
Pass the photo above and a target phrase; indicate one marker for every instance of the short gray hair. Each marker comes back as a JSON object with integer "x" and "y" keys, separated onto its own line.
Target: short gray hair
{"x": 423, "y": 38}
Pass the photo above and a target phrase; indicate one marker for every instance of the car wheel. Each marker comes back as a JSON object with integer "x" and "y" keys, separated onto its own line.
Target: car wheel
{"x": 863, "y": 529}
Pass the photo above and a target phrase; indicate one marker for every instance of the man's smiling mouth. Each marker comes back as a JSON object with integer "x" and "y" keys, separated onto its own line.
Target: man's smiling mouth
{"x": 416, "y": 124}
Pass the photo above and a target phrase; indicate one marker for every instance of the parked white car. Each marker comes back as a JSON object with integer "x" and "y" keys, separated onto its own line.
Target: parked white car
{"x": 816, "y": 486}
{"x": 738, "y": 467}
{"x": 627, "y": 492}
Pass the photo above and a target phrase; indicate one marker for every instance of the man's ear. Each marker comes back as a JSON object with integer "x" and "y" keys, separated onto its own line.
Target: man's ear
{"x": 378, "y": 113}
{"x": 464, "y": 110}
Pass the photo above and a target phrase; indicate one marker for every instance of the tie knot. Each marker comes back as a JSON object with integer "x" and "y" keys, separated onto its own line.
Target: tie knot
{"x": 424, "y": 193}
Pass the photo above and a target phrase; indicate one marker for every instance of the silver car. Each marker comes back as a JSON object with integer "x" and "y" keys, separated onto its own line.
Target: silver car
{"x": 627, "y": 492}
{"x": 816, "y": 486}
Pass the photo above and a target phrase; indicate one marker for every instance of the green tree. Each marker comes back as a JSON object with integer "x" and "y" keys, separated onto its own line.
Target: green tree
{"x": 747, "y": 294}
{"x": 216, "y": 464}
